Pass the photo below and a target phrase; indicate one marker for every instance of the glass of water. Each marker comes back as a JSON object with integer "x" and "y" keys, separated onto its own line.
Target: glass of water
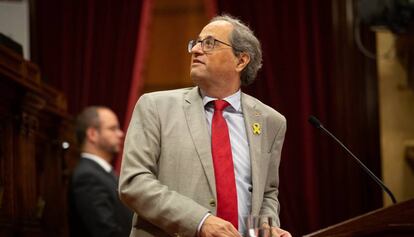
{"x": 259, "y": 226}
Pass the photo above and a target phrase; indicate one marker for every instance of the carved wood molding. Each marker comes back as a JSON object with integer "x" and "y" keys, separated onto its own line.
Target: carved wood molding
{"x": 28, "y": 119}
{"x": 28, "y": 124}
{"x": 33, "y": 122}
{"x": 27, "y": 75}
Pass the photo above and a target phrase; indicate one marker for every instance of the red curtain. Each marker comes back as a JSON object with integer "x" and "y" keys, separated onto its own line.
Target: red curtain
{"x": 87, "y": 49}
{"x": 303, "y": 74}
{"x": 139, "y": 63}
{"x": 93, "y": 51}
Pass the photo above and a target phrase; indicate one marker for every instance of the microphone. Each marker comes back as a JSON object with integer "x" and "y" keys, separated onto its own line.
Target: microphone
{"x": 315, "y": 122}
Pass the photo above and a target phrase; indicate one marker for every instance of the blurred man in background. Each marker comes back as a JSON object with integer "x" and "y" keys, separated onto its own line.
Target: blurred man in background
{"x": 95, "y": 208}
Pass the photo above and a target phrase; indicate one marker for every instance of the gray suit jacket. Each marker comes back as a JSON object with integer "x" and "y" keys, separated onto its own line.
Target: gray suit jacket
{"x": 167, "y": 174}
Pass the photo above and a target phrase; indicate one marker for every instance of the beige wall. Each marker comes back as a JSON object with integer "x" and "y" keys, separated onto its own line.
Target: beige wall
{"x": 396, "y": 116}
{"x": 14, "y": 23}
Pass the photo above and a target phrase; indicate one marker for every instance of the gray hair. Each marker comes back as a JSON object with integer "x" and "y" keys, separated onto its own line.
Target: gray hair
{"x": 243, "y": 40}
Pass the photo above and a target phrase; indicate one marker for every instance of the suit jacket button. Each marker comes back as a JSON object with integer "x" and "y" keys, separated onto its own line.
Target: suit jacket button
{"x": 212, "y": 202}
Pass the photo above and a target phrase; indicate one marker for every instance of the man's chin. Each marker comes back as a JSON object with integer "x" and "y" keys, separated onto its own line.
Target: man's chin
{"x": 197, "y": 78}
{"x": 114, "y": 151}
{"x": 196, "y": 72}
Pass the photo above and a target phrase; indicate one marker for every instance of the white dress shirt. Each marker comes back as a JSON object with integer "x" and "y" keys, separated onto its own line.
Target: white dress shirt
{"x": 101, "y": 162}
{"x": 233, "y": 115}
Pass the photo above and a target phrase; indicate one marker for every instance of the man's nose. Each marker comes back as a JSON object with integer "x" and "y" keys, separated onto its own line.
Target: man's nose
{"x": 120, "y": 133}
{"x": 197, "y": 48}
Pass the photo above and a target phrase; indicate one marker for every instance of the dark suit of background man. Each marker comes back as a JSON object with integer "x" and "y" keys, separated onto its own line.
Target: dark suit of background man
{"x": 169, "y": 169}
{"x": 95, "y": 208}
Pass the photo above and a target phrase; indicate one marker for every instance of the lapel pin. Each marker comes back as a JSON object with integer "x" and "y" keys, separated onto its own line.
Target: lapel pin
{"x": 256, "y": 128}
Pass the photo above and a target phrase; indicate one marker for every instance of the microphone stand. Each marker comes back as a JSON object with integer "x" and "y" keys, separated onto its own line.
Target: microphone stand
{"x": 315, "y": 122}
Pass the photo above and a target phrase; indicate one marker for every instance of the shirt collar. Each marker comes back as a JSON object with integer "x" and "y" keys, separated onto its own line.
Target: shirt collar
{"x": 233, "y": 100}
{"x": 101, "y": 162}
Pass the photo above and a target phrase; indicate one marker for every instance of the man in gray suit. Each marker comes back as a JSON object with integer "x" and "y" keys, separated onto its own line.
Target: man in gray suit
{"x": 168, "y": 174}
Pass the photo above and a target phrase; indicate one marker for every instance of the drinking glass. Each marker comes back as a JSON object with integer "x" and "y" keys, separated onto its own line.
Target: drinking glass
{"x": 259, "y": 226}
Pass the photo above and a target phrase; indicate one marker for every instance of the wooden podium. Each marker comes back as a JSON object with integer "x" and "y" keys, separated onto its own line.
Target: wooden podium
{"x": 395, "y": 220}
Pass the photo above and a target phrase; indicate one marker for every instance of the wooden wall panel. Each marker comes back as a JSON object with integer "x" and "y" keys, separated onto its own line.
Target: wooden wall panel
{"x": 173, "y": 24}
{"x": 33, "y": 125}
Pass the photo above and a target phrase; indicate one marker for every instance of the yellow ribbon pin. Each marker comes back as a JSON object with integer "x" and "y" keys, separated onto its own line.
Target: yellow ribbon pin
{"x": 256, "y": 128}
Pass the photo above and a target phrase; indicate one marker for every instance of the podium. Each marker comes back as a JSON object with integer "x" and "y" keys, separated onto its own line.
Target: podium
{"x": 396, "y": 220}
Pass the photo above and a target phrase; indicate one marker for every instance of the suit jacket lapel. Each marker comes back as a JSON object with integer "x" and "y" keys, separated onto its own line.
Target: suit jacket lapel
{"x": 251, "y": 116}
{"x": 196, "y": 121}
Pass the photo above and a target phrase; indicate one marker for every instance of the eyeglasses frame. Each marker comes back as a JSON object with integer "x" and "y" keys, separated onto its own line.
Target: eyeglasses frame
{"x": 193, "y": 43}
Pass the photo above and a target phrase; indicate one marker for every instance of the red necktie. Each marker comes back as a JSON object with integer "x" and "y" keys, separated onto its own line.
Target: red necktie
{"x": 223, "y": 166}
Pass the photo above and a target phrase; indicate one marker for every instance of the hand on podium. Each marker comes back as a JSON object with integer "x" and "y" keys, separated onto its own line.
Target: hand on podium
{"x": 277, "y": 232}
{"x": 214, "y": 226}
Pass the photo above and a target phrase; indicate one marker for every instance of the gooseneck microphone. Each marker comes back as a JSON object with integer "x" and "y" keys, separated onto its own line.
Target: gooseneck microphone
{"x": 315, "y": 122}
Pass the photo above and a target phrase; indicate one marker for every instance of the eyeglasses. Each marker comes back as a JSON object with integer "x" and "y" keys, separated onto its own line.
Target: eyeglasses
{"x": 207, "y": 44}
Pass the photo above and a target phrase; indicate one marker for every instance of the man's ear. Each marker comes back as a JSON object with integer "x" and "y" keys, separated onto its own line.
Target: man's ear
{"x": 92, "y": 134}
{"x": 243, "y": 60}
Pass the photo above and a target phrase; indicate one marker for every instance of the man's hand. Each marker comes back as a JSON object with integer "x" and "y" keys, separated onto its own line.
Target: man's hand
{"x": 277, "y": 232}
{"x": 214, "y": 226}
{"x": 273, "y": 231}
